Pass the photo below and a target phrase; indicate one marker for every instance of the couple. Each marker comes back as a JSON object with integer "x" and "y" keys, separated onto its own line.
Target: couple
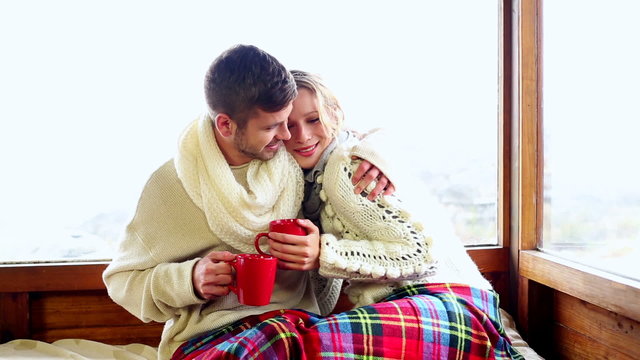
{"x": 231, "y": 177}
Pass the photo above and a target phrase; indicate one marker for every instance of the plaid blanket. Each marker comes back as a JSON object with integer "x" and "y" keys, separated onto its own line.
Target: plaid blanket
{"x": 430, "y": 321}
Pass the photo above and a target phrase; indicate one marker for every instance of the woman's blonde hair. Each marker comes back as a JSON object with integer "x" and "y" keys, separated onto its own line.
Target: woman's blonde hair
{"x": 330, "y": 112}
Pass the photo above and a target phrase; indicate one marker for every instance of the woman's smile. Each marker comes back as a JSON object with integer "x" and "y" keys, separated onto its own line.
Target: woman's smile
{"x": 307, "y": 151}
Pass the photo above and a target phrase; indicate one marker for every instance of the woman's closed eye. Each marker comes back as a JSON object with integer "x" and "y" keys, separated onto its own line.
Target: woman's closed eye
{"x": 291, "y": 125}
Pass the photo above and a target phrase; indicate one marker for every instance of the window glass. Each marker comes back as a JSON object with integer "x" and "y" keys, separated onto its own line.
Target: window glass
{"x": 591, "y": 125}
{"x": 95, "y": 94}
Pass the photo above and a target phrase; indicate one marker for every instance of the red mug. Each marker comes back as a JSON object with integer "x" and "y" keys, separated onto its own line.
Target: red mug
{"x": 255, "y": 277}
{"x": 285, "y": 226}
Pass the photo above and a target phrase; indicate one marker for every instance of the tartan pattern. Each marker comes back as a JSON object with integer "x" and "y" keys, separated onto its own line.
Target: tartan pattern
{"x": 428, "y": 321}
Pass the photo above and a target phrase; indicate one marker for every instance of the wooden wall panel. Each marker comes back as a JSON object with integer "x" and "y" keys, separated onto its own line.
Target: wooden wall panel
{"x": 60, "y": 310}
{"x": 500, "y": 283}
{"x": 88, "y": 315}
{"x": 493, "y": 263}
{"x": 491, "y": 259}
{"x": 14, "y": 316}
{"x": 572, "y": 345}
{"x": 605, "y": 329}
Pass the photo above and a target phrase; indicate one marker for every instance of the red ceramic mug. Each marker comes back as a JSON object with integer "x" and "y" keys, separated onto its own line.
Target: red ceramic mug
{"x": 285, "y": 226}
{"x": 255, "y": 277}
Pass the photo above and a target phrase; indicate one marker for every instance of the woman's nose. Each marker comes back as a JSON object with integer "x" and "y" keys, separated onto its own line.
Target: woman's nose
{"x": 303, "y": 134}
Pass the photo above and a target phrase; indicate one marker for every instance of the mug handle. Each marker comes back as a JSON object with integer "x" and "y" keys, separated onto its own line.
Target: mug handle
{"x": 234, "y": 285}
{"x": 256, "y": 243}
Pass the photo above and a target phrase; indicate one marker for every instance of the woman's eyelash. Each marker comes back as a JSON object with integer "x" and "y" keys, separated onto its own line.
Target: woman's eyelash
{"x": 310, "y": 121}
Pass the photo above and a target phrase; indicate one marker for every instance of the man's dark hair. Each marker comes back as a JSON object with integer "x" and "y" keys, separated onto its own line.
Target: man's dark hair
{"x": 245, "y": 78}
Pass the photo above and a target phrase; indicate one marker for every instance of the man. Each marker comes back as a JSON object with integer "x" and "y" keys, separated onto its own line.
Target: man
{"x": 230, "y": 177}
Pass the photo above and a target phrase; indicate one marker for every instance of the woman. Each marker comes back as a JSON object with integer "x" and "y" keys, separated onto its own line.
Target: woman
{"x": 375, "y": 245}
{"x": 409, "y": 309}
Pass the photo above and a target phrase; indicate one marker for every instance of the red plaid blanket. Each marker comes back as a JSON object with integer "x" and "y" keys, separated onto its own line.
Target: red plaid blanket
{"x": 430, "y": 321}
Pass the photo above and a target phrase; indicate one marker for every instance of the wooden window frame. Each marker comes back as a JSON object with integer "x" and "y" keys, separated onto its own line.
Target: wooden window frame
{"x": 611, "y": 292}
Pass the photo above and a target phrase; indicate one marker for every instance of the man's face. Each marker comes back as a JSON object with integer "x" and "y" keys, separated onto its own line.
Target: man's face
{"x": 263, "y": 134}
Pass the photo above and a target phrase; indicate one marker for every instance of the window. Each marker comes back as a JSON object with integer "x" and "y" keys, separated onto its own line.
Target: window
{"x": 591, "y": 124}
{"x": 96, "y": 94}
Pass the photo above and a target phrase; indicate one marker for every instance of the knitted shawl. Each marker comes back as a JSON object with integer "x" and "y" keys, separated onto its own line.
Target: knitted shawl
{"x": 235, "y": 214}
{"x": 375, "y": 244}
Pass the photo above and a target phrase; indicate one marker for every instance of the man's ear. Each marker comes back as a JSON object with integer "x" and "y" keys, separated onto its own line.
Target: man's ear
{"x": 225, "y": 125}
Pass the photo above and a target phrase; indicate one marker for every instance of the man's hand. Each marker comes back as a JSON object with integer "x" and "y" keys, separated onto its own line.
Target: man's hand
{"x": 296, "y": 252}
{"x": 365, "y": 174}
{"x": 211, "y": 275}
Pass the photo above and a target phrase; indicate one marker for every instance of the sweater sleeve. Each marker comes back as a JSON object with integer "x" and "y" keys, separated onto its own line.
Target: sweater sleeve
{"x": 365, "y": 240}
{"x": 150, "y": 275}
{"x": 149, "y": 290}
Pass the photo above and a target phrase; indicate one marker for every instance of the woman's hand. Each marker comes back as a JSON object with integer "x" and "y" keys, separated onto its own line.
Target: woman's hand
{"x": 211, "y": 275}
{"x": 297, "y": 252}
{"x": 365, "y": 174}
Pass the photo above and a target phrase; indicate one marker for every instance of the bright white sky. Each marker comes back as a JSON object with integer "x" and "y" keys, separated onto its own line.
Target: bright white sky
{"x": 591, "y": 98}
{"x": 94, "y": 94}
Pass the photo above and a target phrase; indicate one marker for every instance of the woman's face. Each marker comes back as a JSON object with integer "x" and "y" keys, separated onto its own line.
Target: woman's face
{"x": 309, "y": 138}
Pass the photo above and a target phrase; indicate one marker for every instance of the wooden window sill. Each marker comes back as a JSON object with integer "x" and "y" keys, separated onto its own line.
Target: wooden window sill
{"x": 51, "y": 277}
{"x": 609, "y": 291}
{"x": 88, "y": 275}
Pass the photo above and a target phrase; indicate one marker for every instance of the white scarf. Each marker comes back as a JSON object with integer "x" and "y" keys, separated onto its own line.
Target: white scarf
{"x": 235, "y": 214}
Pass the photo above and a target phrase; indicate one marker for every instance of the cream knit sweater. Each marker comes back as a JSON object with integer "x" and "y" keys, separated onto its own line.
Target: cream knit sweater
{"x": 151, "y": 273}
{"x": 377, "y": 245}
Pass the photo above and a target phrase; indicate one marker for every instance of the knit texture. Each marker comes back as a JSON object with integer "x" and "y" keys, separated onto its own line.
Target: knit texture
{"x": 235, "y": 214}
{"x": 326, "y": 290}
{"x": 375, "y": 244}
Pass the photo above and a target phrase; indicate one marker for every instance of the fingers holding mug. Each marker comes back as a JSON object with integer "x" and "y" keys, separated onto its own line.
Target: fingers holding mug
{"x": 297, "y": 252}
{"x": 211, "y": 275}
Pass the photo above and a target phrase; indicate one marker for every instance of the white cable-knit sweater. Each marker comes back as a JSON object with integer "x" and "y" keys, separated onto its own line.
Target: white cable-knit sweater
{"x": 377, "y": 245}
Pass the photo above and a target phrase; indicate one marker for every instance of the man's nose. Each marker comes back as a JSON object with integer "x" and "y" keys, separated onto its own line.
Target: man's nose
{"x": 283, "y": 133}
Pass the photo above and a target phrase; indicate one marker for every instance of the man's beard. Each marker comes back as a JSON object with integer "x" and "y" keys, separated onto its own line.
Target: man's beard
{"x": 244, "y": 148}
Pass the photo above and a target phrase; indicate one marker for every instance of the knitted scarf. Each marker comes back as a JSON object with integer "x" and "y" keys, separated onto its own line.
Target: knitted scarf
{"x": 235, "y": 214}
